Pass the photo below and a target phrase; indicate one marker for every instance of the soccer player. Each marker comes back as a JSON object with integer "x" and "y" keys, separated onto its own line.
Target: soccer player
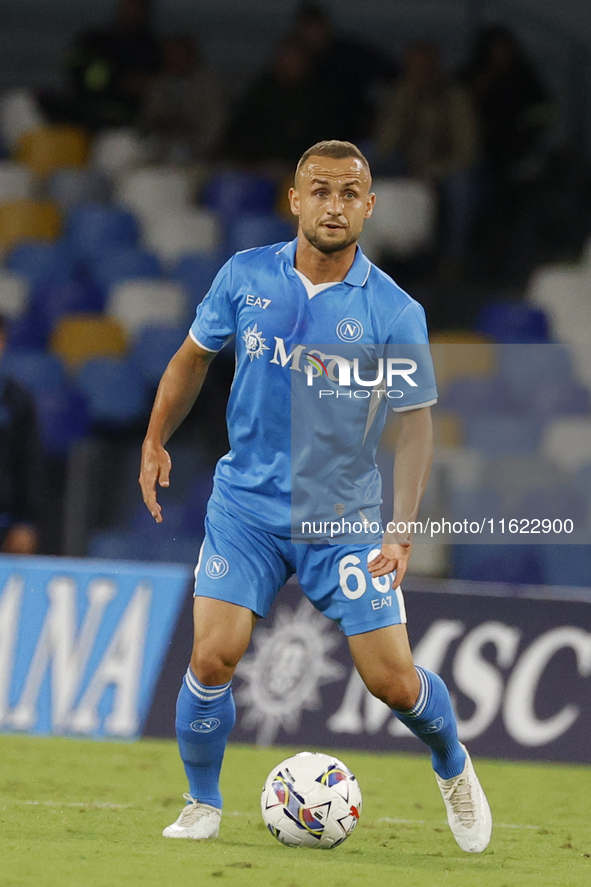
{"x": 277, "y": 301}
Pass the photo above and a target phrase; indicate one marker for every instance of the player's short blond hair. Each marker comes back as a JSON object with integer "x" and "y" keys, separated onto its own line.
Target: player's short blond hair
{"x": 333, "y": 148}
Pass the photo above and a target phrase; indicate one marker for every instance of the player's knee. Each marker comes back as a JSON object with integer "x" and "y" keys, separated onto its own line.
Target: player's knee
{"x": 212, "y": 667}
{"x": 399, "y": 692}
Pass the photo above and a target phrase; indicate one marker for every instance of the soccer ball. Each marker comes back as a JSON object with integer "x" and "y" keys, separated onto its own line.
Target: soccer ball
{"x": 311, "y": 800}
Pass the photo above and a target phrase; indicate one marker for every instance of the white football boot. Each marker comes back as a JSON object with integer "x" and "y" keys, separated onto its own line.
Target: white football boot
{"x": 468, "y": 813}
{"x": 197, "y": 821}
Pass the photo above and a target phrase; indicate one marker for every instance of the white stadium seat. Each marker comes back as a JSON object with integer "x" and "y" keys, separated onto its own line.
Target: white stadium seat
{"x": 19, "y": 114}
{"x": 16, "y": 182}
{"x": 565, "y": 295}
{"x": 153, "y": 191}
{"x": 137, "y": 303}
{"x": 116, "y": 151}
{"x": 404, "y": 217}
{"x": 14, "y": 292}
{"x": 567, "y": 443}
{"x": 183, "y": 231}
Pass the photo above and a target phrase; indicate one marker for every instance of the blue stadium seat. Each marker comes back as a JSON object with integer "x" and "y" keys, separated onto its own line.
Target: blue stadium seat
{"x": 527, "y": 368}
{"x": 117, "y": 264}
{"x": 251, "y": 229}
{"x": 557, "y": 503}
{"x": 196, "y": 273}
{"x": 27, "y": 333}
{"x": 502, "y": 435}
{"x": 49, "y": 301}
{"x": 566, "y": 565}
{"x": 41, "y": 262}
{"x": 92, "y": 228}
{"x": 37, "y": 371}
{"x": 498, "y": 563}
{"x": 71, "y": 186}
{"x": 154, "y": 348}
{"x": 229, "y": 193}
{"x": 477, "y": 394}
{"x": 115, "y": 391}
{"x": 553, "y": 399}
{"x": 513, "y": 323}
{"x": 63, "y": 418}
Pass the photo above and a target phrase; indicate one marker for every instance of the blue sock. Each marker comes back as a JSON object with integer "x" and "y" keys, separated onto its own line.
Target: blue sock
{"x": 204, "y": 719}
{"x": 433, "y": 721}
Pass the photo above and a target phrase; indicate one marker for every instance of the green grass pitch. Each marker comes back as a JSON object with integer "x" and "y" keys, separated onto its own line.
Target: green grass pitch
{"x": 77, "y": 813}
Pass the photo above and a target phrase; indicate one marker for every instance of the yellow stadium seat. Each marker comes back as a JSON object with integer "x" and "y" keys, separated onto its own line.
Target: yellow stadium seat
{"x": 461, "y": 353}
{"x": 23, "y": 219}
{"x": 53, "y": 147}
{"x": 78, "y": 338}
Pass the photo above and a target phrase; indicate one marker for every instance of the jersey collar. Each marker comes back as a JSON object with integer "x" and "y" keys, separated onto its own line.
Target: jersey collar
{"x": 358, "y": 272}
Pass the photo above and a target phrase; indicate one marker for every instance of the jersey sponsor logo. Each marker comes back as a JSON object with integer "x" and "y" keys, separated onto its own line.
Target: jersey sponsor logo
{"x": 205, "y": 725}
{"x": 257, "y": 302}
{"x": 349, "y": 330}
{"x": 255, "y": 342}
{"x": 216, "y": 567}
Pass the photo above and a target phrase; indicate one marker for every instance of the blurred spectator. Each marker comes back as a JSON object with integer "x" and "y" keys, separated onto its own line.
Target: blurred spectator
{"x": 20, "y": 461}
{"x": 427, "y": 130}
{"x": 285, "y": 111}
{"x": 513, "y": 107}
{"x": 109, "y": 68}
{"x": 352, "y": 72}
{"x": 184, "y": 109}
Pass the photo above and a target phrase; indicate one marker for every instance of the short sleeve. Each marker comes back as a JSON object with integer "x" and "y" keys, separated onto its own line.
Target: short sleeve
{"x": 408, "y": 345}
{"x": 215, "y": 320}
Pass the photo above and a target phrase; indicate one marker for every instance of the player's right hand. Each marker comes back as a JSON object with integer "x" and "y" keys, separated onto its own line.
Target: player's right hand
{"x": 155, "y": 468}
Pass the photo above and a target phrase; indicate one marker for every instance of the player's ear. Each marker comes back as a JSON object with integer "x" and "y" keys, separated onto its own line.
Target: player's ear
{"x": 294, "y": 201}
{"x": 371, "y": 199}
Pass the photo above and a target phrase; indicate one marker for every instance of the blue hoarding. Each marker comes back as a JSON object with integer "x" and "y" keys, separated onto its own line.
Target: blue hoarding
{"x": 82, "y": 643}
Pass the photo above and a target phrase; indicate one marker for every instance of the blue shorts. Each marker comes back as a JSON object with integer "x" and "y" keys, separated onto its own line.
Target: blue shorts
{"x": 243, "y": 565}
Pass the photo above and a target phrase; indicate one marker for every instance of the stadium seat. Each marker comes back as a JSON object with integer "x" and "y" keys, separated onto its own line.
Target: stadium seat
{"x": 563, "y": 293}
{"x": 116, "y": 151}
{"x": 78, "y": 338}
{"x": 37, "y": 371}
{"x": 560, "y": 399}
{"x": 566, "y": 565}
{"x": 178, "y": 232}
{"x": 53, "y": 147}
{"x": 567, "y": 442}
{"x": 516, "y": 564}
{"x": 458, "y": 354}
{"x": 115, "y": 391}
{"x": 558, "y": 503}
{"x": 497, "y": 436}
{"x": 152, "y": 192}
{"x": 249, "y": 230}
{"x": 19, "y": 114}
{"x": 69, "y": 187}
{"x": 513, "y": 477}
{"x": 41, "y": 263}
{"x": 14, "y": 294}
{"x": 513, "y": 322}
{"x": 16, "y": 182}
{"x": 153, "y": 349}
{"x": 119, "y": 264}
{"x": 91, "y": 229}
{"x": 485, "y": 395}
{"x": 27, "y": 333}
{"x": 230, "y": 193}
{"x": 404, "y": 218}
{"x": 63, "y": 418}
{"x": 196, "y": 273}
{"x": 524, "y": 369}
{"x": 24, "y": 219}
{"x": 50, "y": 301}
{"x": 142, "y": 303}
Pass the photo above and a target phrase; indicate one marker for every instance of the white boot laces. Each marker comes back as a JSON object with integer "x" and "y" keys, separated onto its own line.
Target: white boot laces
{"x": 459, "y": 795}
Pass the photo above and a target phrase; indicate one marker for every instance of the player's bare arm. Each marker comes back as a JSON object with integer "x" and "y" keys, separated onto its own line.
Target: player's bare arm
{"x": 412, "y": 464}
{"x": 177, "y": 392}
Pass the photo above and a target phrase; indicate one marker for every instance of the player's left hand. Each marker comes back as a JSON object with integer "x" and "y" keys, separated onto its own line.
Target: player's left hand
{"x": 393, "y": 556}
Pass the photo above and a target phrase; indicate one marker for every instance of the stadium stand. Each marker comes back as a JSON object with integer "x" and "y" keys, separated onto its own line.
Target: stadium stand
{"x": 24, "y": 219}
{"x": 139, "y": 303}
{"x": 78, "y": 338}
{"x": 49, "y": 148}
{"x": 178, "y": 232}
{"x": 16, "y": 182}
{"x": 14, "y": 291}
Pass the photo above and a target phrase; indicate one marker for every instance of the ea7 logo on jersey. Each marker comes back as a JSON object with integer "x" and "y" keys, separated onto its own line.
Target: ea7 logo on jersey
{"x": 257, "y": 302}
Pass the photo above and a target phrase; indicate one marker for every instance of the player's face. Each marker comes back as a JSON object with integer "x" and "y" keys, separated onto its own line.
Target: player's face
{"x": 332, "y": 200}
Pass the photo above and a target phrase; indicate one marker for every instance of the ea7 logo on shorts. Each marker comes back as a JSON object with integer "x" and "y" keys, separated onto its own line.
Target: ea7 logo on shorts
{"x": 216, "y": 566}
{"x": 349, "y": 330}
{"x": 205, "y": 725}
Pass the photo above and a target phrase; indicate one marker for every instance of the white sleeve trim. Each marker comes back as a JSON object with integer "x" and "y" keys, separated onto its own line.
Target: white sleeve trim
{"x": 201, "y": 345}
{"x": 414, "y": 406}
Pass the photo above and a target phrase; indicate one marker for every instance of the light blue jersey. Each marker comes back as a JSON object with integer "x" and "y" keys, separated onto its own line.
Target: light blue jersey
{"x": 292, "y": 391}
